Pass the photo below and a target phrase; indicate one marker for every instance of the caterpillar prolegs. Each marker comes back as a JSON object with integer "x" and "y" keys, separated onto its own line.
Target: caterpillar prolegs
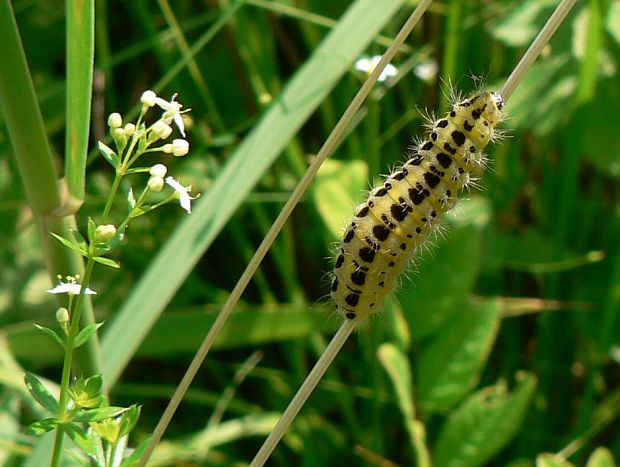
{"x": 398, "y": 216}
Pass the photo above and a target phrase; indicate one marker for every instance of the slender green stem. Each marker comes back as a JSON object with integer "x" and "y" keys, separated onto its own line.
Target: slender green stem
{"x": 75, "y": 313}
{"x": 108, "y": 205}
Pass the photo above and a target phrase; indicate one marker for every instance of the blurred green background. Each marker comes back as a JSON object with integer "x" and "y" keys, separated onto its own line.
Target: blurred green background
{"x": 503, "y": 342}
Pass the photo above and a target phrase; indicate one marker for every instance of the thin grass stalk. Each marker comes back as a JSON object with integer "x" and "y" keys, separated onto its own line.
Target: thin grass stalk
{"x": 319, "y": 369}
{"x": 332, "y": 141}
{"x": 347, "y": 326}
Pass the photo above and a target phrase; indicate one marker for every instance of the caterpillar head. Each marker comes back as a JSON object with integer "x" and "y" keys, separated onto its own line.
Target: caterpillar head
{"x": 492, "y": 105}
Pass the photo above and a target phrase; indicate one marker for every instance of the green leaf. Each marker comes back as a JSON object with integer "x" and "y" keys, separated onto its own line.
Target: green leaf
{"x": 338, "y": 188}
{"x": 79, "y": 238}
{"x": 136, "y": 170}
{"x": 396, "y": 366}
{"x": 86, "y": 333}
{"x": 96, "y": 415}
{"x": 86, "y": 393}
{"x": 41, "y": 427}
{"x": 483, "y": 424}
{"x": 106, "y": 261}
{"x": 108, "y": 154}
{"x": 612, "y": 22}
{"x": 129, "y": 420}
{"x": 601, "y": 457}
{"x": 41, "y": 394}
{"x": 91, "y": 229}
{"x": 53, "y": 334}
{"x": 136, "y": 455}
{"x": 80, "y": 437}
{"x": 450, "y": 365}
{"x": 70, "y": 244}
{"x": 551, "y": 460}
{"x": 443, "y": 279}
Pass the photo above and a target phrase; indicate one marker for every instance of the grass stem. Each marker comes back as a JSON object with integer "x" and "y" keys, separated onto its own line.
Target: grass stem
{"x": 304, "y": 392}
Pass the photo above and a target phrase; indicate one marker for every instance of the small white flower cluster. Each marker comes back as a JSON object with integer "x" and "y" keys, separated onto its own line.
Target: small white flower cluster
{"x": 133, "y": 141}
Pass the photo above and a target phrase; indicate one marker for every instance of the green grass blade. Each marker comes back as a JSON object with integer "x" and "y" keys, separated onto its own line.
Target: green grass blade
{"x": 302, "y": 95}
{"x": 20, "y": 109}
{"x": 80, "y": 53}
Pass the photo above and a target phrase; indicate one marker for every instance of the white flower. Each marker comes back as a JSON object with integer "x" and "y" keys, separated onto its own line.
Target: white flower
{"x": 148, "y": 98}
{"x": 115, "y": 120}
{"x": 158, "y": 170}
{"x": 178, "y": 148}
{"x": 182, "y": 192}
{"x": 71, "y": 287}
{"x": 426, "y": 70}
{"x": 172, "y": 112}
{"x": 366, "y": 65}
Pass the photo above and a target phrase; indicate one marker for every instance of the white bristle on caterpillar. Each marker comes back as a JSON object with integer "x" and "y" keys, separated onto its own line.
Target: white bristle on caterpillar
{"x": 399, "y": 215}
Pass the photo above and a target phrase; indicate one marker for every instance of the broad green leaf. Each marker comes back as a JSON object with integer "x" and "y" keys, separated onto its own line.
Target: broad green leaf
{"x": 483, "y": 424}
{"x": 601, "y": 457}
{"x": 551, "y": 460}
{"x": 53, "y": 334}
{"x": 301, "y": 96}
{"x": 85, "y": 441}
{"x": 442, "y": 280}
{"x": 108, "y": 154}
{"x": 450, "y": 365}
{"x": 338, "y": 188}
{"x": 86, "y": 333}
{"x": 41, "y": 427}
{"x": 41, "y": 394}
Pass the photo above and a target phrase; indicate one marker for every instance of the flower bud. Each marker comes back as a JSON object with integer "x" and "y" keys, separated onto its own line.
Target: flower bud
{"x": 158, "y": 170}
{"x": 115, "y": 120}
{"x": 62, "y": 316}
{"x": 180, "y": 147}
{"x": 148, "y": 98}
{"x": 104, "y": 233}
{"x": 155, "y": 183}
{"x": 129, "y": 130}
{"x": 161, "y": 130}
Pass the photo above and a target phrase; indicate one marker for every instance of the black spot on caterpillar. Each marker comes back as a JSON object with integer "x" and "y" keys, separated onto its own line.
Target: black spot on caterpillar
{"x": 398, "y": 216}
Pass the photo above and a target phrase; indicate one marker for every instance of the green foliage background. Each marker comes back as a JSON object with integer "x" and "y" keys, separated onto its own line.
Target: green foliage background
{"x": 502, "y": 344}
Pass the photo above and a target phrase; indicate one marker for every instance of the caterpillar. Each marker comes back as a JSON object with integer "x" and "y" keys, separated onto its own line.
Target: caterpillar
{"x": 398, "y": 216}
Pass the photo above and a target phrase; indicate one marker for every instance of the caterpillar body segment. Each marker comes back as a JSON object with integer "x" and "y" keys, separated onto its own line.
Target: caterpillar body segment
{"x": 398, "y": 216}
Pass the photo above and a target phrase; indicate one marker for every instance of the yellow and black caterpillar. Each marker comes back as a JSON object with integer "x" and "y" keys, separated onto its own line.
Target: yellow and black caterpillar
{"x": 398, "y": 216}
